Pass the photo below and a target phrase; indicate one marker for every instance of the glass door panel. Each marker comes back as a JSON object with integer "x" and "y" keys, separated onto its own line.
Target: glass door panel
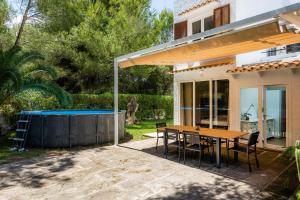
{"x": 202, "y": 107}
{"x": 220, "y": 104}
{"x": 274, "y": 124}
{"x": 249, "y": 98}
{"x": 186, "y": 104}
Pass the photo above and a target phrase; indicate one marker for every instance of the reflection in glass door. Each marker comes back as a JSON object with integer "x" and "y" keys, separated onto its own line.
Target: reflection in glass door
{"x": 211, "y": 110}
{"x": 186, "y": 104}
{"x": 202, "y": 104}
{"x": 274, "y": 125}
{"x": 220, "y": 103}
{"x": 249, "y": 109}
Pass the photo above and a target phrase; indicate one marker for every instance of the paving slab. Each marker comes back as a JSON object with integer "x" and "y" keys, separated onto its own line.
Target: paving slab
{"x": 134, "y": 170}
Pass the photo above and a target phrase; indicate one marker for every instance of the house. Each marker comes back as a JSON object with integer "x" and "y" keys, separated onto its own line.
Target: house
{"x": 253, "y": 91}
{"x": 236, "y": 66}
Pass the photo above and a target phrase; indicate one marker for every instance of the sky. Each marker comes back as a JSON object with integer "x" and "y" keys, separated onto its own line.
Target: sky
{"x": 159, "y": 5}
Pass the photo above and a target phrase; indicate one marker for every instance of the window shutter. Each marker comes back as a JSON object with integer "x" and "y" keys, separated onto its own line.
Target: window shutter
{"x": 222, "y": 16}
{"x": 226, "y": 14}
{"x": 180, "y": 30}
{"x": 218, "y": 17}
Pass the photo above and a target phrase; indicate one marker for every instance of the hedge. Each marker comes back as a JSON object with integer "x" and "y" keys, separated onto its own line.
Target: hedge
{"x": 148, "y": 104}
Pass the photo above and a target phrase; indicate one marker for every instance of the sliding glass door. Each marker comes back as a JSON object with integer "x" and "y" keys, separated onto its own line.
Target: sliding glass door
{"x": 220, "y": 104}
{"x": 186, "y": 104}
{"x": 212, "y": 104}
{"x": 202, "y": 106}
{"x": 274, "y": 116}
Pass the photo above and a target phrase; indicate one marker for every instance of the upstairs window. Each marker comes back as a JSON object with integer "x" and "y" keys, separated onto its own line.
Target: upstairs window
{"x": 180, "y": 30}
{"x": 271, "y": 52}
{"x": 293, "y": 48}
{"x": 222, "y": 16}
{"x": 196, "y": 27}
{"x": 209, "y": 23}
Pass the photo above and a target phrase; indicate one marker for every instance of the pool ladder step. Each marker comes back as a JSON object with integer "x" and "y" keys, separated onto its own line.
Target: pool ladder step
{"x": 23, "y": 125}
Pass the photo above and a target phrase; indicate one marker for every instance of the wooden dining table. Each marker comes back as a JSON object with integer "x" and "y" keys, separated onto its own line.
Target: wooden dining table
{"x": 216, "y": 134}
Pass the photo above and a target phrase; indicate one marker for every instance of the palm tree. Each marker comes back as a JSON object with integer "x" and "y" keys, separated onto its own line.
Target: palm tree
{"x": 19, "y": 71}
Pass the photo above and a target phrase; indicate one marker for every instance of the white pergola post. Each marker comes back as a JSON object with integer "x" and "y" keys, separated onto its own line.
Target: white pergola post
{"x": 116, "y": 102}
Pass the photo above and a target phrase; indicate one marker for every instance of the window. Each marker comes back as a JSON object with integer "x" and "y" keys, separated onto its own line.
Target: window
{"x": 186, "y": 104}
{"x": 196, "y": 27}
{"x": 222, "y": 16}
{"x": 208, "y": 23}
{"x": 271, "y": 52}
{"x": 293, "y": 48}
{"x": 180, "y": 30}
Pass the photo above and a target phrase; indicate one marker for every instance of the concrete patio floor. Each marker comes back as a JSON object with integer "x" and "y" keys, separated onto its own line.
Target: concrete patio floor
{"x": 134, "y": 170}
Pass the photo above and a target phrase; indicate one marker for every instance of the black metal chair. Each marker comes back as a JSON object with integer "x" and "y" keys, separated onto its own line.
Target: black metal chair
{"x": 193, "y": 142}
{"x": 248, "y": 149}
{"x": 177, "y": 141}
{"x": 159, "y": 125}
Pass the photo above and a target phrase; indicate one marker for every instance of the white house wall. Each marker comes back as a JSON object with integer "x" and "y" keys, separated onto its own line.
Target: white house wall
{"x": 248, "y": 80}
{"x": 250, "y": 8}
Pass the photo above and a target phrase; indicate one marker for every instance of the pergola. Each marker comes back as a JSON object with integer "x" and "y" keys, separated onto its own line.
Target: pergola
{"x": 275, "y": 28}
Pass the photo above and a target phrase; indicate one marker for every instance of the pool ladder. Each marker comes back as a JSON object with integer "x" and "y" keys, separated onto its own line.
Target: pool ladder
{"x": 23, "y": 126}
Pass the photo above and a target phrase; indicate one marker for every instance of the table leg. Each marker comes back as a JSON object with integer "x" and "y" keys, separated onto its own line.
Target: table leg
{"x": 218, "y": 152}
{"x": 165, "y": 144}
{"x": 236, "y": 154}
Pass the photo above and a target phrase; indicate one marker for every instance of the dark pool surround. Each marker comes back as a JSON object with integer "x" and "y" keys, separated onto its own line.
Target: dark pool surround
{"x": 60, "y": 131}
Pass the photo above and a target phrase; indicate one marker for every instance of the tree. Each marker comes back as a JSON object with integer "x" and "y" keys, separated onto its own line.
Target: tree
{"x": 82, "y": 37}
{"x": 19, "y": 71}
{"x": 5, "y": 34}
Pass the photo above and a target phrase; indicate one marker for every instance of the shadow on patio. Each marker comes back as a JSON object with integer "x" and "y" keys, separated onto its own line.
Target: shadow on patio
{"x": 35, "y": 172}
{"x": 274, "y": 174}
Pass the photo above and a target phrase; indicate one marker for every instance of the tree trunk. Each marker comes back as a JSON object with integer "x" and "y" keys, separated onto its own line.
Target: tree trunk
{"x": 24, "y": 19}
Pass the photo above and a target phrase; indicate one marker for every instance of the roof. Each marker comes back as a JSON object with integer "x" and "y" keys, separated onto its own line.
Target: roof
{"x": 217, "y": 63}
{"x": 196, "y": 6}
{"x": 259, "y": 32}
{"x": 268, "y": 66}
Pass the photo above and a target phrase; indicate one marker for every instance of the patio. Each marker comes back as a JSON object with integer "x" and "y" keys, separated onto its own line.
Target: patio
{"x": 135, "y": 170}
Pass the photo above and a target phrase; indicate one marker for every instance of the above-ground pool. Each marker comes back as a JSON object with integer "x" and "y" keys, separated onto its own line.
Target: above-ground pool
{"x": 69, "y": 128}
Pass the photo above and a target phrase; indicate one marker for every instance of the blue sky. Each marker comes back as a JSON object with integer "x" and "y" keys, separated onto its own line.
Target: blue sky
{"x": 159, "y": 5}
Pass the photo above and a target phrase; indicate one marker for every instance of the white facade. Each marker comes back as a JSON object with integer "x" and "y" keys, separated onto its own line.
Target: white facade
{"x": 288, "y": 79}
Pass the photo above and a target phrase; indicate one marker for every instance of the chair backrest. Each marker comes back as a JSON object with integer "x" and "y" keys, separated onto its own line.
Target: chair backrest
{"x": 172, "y": 134}
{"x": 253, "y": 138}
{"x": 191, "y": 137}
{"x": 161, "y": 125}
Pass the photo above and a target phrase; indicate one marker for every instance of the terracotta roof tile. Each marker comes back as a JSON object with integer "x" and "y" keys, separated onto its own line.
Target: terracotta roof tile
{"x": 229, "y": 61}
{"x": 199, "y": 5}
{"x": 269, "y": 66}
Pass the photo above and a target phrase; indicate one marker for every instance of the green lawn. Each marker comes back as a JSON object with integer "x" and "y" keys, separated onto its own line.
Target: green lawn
{"x": 142, "y": 127}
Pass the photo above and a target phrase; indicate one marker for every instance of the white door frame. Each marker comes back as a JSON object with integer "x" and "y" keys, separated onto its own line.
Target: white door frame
{"x": 261, "y": 99}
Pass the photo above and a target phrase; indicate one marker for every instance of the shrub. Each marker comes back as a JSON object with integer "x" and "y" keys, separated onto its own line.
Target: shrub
{"x": 148, "y": 104}
{"x": 27, "y": 100}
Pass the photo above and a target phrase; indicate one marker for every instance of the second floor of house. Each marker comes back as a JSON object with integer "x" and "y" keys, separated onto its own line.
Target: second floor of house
{"x": 196, "y": 16}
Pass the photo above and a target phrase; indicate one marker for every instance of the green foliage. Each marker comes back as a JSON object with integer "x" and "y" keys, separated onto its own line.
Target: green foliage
{"x": 148, "y": 104}
{"x": 27, "y": 100}
{"x": 297, "y": 156}
{"x": 83, "y": 37}
{"x": 20, "y": 71}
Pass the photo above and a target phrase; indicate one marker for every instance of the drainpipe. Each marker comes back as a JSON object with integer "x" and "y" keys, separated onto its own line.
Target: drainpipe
{"x": 116, "y": 102}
